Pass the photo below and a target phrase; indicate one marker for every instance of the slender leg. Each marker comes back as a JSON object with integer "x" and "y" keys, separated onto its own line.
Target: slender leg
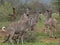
{"x": 54, "y": 32}
{"x": 22, "y": 39}
{"x": 10, "y": 38}
{"x": 18, "y": 39}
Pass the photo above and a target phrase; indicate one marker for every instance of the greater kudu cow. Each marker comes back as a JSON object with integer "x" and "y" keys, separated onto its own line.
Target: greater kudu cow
{"x": 17, "y": 27}
{"x": 50, "y": 24}
{"x": 34, "y": 18}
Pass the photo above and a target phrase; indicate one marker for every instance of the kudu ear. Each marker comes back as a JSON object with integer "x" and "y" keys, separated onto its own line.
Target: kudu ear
{"x": 3, "y": 28}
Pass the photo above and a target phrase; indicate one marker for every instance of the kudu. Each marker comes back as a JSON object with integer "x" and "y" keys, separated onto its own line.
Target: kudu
{"x": 34, "y": 18}
{"x": 50, "y": 24}
{"x": 17, "y": 28}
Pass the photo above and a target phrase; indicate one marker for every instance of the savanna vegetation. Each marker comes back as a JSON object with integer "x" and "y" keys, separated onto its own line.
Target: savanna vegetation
{"x": 40, "y": 37}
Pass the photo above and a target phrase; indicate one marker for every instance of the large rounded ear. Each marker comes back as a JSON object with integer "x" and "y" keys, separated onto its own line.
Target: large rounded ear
{"x": 3, "y": 28}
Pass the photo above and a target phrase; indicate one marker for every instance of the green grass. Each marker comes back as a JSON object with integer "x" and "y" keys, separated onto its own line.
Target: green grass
{"x": 35, "y": 43}
{"x": 4, "y": 24}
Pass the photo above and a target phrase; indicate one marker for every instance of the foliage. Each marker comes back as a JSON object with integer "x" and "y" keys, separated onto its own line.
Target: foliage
{"x": 56, "y": 4}
{"x": 5, "y": 10}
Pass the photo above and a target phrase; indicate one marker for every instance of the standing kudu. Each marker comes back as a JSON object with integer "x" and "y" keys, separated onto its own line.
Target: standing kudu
{"x": 22, "y": 25}
{"x": 34, "y": 18}
{"x": 50, "y": 24}
{"x": 17, "y": 27}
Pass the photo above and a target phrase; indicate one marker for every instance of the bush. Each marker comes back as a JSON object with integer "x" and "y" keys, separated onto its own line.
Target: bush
{"x": 4, "y": 11}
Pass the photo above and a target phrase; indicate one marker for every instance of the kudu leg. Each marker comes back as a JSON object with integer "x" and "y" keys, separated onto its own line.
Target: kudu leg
{"x": 18, "y": 40}
{"x": 22, "y": 40}
{"x": 54, "y": 32}
{"x": 10, "y": 38}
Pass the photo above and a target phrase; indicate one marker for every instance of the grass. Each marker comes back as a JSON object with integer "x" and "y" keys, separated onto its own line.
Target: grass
{"x": 42, "y": 39}
{"x": 4, "y": 24}
{"x": 35, "y": 43}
